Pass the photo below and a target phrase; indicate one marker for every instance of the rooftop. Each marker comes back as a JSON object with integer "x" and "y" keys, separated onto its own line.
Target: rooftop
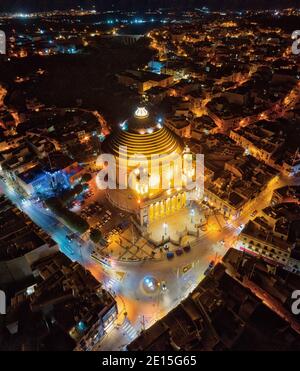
{"x": 18, "y": 235}
{"x": 144, "y": 76}
{"x": 220, "y": 314}
{"x": 72, "y": 297}
{"x": 32, "y": 174}
{"x": 253, "y": 231}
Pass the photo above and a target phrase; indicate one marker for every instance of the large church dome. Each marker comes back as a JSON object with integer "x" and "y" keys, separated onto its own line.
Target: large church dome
{"x": 142, "y": 134}
{"x": 151, "y": 187}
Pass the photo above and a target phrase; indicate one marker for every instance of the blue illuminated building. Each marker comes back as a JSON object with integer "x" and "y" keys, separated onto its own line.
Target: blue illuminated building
{"x": 156, "y": 67}
{"x": 38, "y": 182}
{"x": 70, "y": 49}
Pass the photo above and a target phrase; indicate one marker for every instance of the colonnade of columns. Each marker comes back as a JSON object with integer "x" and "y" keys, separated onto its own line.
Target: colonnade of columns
{"x": 166, "y": 207}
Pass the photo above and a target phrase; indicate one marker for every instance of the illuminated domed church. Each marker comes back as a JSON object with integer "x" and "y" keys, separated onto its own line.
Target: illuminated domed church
{"x": 147, "y": 151}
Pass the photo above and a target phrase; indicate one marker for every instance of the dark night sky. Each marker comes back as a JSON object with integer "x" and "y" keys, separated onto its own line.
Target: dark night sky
{"x": 29, "y": 5}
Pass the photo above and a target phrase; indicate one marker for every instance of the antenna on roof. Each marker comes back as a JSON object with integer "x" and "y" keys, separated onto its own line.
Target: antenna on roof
{"x": 295, "y": 157}
{"x": 50, "y": 161}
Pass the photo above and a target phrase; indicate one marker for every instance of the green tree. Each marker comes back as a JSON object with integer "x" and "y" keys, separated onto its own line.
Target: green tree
{"x": 86, "y": 178}
{"x": 95, "y": 235}
{"x": 68, "y": 195}
{"x": 72, "y": 220}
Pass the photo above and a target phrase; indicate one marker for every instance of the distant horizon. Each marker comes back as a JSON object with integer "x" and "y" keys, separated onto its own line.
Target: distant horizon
{"x": 18, "y": 6}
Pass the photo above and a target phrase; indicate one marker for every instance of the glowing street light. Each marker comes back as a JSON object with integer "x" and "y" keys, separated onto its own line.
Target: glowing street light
{"x": 192, "y": 212}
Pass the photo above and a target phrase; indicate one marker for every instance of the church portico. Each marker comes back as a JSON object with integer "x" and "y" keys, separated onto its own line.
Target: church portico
{"x": 183, "y": 222}
{"x": 159, "y": 208}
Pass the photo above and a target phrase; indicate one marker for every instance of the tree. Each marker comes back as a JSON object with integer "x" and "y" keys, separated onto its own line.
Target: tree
{"x": 71, "y": 193}
{"x": 95, "y": 235}
{"x": 86, "y": 178}
{"x": 72, "y": 220}
{"x": 75, "y": 222}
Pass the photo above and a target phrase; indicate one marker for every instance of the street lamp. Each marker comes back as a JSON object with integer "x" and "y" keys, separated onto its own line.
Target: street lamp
{"x": 192, "y": 212}
{"x": 165, "y": 225}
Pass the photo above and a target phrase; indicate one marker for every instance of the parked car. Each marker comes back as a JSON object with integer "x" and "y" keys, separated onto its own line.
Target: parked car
{"x": 209, "y": 268}
{"x": 170, "y": 255}
{"x": 179, "y": 252}
{"x": 254, "y": 214}
{"x": 187, "y": 248}
{"x": 163, "y": 286}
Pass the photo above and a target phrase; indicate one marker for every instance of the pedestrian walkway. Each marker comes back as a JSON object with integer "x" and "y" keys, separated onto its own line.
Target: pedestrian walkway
{"x": 129, "y": 246}
{"x": 111, "y": 284}
{"x": 129, "y": 330}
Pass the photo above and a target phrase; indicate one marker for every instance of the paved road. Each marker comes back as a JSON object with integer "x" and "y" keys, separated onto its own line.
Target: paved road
{"x": 143, "y": 307}
{"x": 152, "y": 307}
{"x": 73, "y": 249}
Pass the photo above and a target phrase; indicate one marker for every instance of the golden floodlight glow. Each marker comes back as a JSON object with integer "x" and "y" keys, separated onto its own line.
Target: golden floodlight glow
{"x": 141, "y": 113}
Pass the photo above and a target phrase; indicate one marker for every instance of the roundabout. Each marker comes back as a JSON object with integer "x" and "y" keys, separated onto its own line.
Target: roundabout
{"x": 150, "y": 285}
